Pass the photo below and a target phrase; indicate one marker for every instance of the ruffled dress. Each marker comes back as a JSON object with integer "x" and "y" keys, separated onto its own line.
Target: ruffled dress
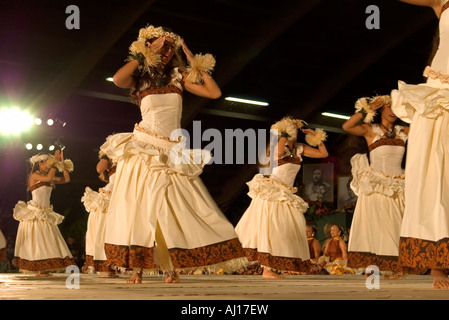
{"x": 379, "y": 185}
{"x": 97, "y": 204}
{"x": 39, "y": 243}
{"x": 161, "y": 216}
{"x": 425, "y": 228}
{"x": 272, "y": 230}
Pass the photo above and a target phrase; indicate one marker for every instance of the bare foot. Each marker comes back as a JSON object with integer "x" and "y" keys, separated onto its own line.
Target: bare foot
{"x": 269, "y": 274}
{"x": 136, "y": 278}
{"x": 43, "y": 274}
{"x": 440, "y": 279}
{"x": 172, "y": 278}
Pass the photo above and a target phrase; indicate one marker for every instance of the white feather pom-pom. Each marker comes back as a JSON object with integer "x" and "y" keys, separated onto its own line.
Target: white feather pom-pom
{"x": 68, "y": 165}
{"x": 317, "y": 139}
{"x": 201, "y": 63}
{"x": 152, "y": 58}
{"x": 362, "y": 104}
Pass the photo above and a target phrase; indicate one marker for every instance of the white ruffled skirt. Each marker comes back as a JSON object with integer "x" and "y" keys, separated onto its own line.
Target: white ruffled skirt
{"x": 273, "y": 228}
{"x": 161, "y": 215}
{"x": 425, "y": 227}
{"x": 39, "y": 243}
{"x": 376, "y": 225}
{"x": 96, "y": 203}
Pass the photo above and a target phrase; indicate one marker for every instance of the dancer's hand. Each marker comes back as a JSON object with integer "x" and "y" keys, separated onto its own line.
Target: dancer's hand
{"x": 57, "y": 155}
{"x": 377, "y": 103}
{"x": 190, "y": 56}
{"x": 157, "y": 44}
{"x": 309, "y": 131}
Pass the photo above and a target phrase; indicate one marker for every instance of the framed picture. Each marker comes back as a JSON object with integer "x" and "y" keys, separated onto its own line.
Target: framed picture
{"x": 318, "y": 182}
{"x": 345, "y": 193}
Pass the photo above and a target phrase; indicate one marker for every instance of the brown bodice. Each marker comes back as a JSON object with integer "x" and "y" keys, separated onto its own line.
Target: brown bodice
{"x": 386, "y": 142}
{"x": 169, "y": 88}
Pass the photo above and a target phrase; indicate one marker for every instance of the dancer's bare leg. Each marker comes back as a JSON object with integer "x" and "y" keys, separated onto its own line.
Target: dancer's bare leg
{"x": 440, "y": 279}
{"x": 270, "y": 274}
{"x": 136, "y": 277}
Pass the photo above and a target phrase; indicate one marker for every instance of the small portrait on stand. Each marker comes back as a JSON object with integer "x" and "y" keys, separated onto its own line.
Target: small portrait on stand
{"x": 345, "y": 193}
{"x": 318, "y": 182}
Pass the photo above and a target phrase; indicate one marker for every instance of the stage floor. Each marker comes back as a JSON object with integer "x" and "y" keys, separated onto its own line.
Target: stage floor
{"x": 61, "y": 286}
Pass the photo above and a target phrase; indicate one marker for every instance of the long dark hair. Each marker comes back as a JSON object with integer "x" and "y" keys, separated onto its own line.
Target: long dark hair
{"x": 34, "y": 167}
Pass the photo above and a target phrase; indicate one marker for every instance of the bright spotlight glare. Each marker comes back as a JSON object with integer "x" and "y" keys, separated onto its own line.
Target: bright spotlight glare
{"x": 257, "y": 103}
{"x": 39, "y": 146}
{"x": 29, "y": 146}
{"x": 51, "y": 148}
{"x": 38, "y": 121}
{"x": 335, "y": 115}
{"x": 14, "y": 121}
{"x": 50, "y": 122}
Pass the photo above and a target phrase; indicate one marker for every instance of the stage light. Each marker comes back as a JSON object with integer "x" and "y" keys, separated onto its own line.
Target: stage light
{"x": 335, "y": 115}
{"x": 254, "y": 102}
{"x": 50, "y": 122}
{"x": 51, "y": 148}
{"x": 29, "y": 146}
{"x": 39, "y": 146}
{"x": 110, "y": 79}
{"x": 14, "y": 121}
{"x": 38, "y": 121}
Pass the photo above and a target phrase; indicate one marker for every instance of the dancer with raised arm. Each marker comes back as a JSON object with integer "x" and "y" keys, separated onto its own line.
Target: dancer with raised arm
{"x": 378, "y": 181}
{"x": 40, "y": 247}
{"x": 273, "y": 228}
{"x": 161, "y": 216}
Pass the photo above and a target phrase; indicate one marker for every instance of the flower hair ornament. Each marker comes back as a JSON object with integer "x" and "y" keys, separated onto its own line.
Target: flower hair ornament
{"x": 362, "y": 106}
{"x": 141, "y": 52}
{"x": 147, "y": 58}
{"x": 38, "y": 158}
{"x": 288, "y": 127}
{"x": 151, "y": 32}
{"x": 51, "y": 162}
